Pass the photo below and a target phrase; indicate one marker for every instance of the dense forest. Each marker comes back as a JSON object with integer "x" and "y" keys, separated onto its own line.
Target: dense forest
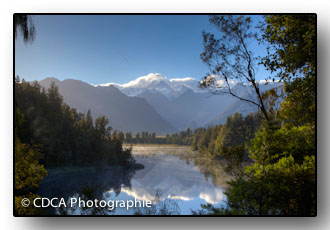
{"x": 50, "y": 134}
{"x": 181, "y": 138}
{"x": 227, "y": 142}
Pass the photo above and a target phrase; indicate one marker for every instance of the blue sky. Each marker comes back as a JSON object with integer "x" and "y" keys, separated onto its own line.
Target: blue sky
{"x": 114, "y": 48}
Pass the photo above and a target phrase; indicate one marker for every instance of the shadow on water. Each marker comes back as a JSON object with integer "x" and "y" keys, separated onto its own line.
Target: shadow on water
{"x": 86, "y": 183}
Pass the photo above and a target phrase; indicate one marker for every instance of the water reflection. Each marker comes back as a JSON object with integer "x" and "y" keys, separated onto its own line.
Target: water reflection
{"x": 179, "y": 174}
{"x": 85, "y": 182}
{"x": 174, "y": 178}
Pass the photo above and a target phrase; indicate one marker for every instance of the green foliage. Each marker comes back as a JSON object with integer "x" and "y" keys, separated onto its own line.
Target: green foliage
{"x": 281, "y": 180}
{"x": 66, "y": 136}
{"x": 281, "y": 142}
{"x": 284, "y": 169}
{"x": 299, "y": 105}
{"x": 28, "y": 171}
{"x": 30, "y": 210}
{"x": 292, "y": 45}
{"x": 227, "y": 142}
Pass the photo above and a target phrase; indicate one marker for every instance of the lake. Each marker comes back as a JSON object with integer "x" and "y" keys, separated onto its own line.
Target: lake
{"x": 175, "y": 179}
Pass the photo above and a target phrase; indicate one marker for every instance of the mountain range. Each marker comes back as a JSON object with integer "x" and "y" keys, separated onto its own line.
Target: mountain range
{"x": 155, "y": 103}
{"x": 124, "y": 113}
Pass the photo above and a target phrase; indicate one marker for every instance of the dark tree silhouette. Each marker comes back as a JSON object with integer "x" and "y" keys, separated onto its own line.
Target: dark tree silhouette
{"x": 230, "y": 59}
{"x": 23, "y": 23}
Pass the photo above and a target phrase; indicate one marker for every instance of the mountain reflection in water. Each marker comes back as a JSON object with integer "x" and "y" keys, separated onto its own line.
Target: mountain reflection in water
{"x": 171, "y": 173}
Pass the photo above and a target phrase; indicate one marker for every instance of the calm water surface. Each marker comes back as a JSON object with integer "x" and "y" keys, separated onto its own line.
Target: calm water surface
{"x": 174, "y": 178}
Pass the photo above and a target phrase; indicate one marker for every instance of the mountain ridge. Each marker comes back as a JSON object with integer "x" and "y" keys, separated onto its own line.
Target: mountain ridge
{"x": 177, "y": 103}
{"x": 124, "y": 113}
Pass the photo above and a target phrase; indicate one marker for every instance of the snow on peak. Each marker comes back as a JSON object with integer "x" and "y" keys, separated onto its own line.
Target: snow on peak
{"x": 182, "y": 79}
{"x": 170, "y": 88}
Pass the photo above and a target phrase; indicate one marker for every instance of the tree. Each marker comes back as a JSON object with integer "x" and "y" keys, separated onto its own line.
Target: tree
{"x": 230, "y": 59}
{"x": 137, "y": 137}
{"x": 24, "y": 24}
{"x": 291, "y": 55}
{"x": 121, "y": 136}
{"x": 280, "y": 179}
{"x": 28, "y": 170}
{"x": 101, "y": 124}
{"x": 299, "y": 106}
{"x": 291, "y": 41}
{"x": 65, "y": 136}
{"x": 128, "y": 137}
{"x": 283, "y": 169}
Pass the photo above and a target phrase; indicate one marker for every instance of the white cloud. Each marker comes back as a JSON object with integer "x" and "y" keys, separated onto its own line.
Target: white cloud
{"x": 212, "y": 197}
{"x": 179, "y": 197}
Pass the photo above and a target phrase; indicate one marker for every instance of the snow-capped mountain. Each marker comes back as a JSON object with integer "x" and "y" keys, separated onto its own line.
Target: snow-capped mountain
{"x": 171, "y": 88}
{"x": 181, "y": 102}
{"x": 158, "y": 104}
